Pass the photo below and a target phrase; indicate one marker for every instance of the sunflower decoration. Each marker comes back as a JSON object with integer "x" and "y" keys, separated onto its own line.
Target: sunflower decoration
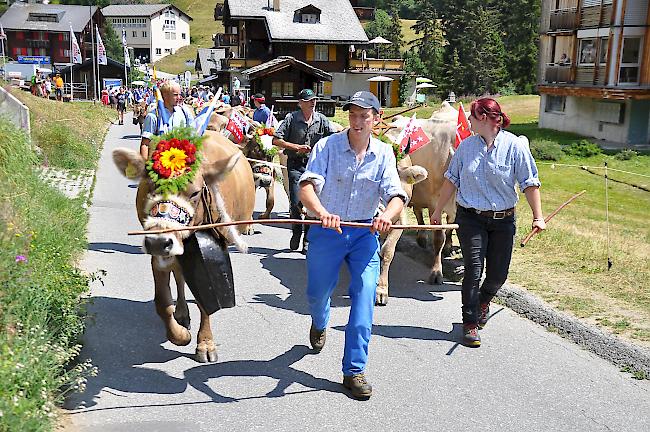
{"x": 175, "y": 160}
{"x": 263, "y": 136}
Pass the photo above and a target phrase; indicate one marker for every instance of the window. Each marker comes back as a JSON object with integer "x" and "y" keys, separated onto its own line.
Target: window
{"x": 630, "y": 61}
{"x": 555, "y": 104}
{"x": 318, "y": 88}
{"x": 158, "y": 51}
{"x": 144, "y": 34}
{"x": 309, "y": 18}
{"x": 321, "y": 52}
{"x": 587, "y": 53}
{"x": 134, "y": 33}
{"x": 168, "y": 50}
{"x": 66, "y": 36}
{"x": 287, "y": 89}
{"x": 276, "y": 89}
{"x": 610, "y": 112}
{"x": 183, "y": 36}
{"x": 602, "y": 58}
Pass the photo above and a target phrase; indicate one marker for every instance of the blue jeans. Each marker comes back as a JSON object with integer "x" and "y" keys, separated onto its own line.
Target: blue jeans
{"x": 483, "y": 240}
{"x": 327, "y": 251}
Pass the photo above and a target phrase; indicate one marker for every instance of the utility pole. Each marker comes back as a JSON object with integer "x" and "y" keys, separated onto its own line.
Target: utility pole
{"x": 92, "y": 39}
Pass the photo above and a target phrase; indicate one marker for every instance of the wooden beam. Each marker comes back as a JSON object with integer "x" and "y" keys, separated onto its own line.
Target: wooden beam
{"x": 619, "y": 53}
{"x": 596, "y": 92}
{"x": 645, "y": 60}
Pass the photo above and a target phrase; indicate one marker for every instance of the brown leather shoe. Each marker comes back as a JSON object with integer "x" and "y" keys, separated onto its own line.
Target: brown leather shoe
{"x": 358, "y": 386}
{"x": 317, "y": 338}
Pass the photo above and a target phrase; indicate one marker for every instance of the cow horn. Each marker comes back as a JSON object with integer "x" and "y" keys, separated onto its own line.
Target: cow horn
{"x": 407, "y": 149}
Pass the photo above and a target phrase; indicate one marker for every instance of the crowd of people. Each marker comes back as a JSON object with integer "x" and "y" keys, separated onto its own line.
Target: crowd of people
{"x": 42, "y": 84}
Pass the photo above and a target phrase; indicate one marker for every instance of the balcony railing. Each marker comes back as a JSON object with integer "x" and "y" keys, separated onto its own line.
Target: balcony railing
{"x": 556, "y": 73}
{"x": 239, "y": 63}
{"x": 224, "y": 39}
{"x": 563, "y": 19}
{"x": 592, "y": 17}
{"x": 377, "y": 64}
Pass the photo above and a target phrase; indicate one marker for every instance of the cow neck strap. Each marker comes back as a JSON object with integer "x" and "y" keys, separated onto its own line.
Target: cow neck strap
{"x": 207, "y": 200}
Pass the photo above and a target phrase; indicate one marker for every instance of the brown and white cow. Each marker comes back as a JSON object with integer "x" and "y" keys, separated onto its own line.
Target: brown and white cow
{"x": 227, "y": 175}
{"x": 435, "y": 158}
{"x": 409, "y": 175}
{"x": 139, "y": 113}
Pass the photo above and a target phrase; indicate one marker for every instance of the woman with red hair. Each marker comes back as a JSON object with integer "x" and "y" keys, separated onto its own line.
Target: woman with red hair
{"x": 484, "y": 172}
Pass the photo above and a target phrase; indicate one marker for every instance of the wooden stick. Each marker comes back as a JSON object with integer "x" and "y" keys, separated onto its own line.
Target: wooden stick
{"x": 549, "y": 217}
{"x": 265, "y": 162}
{"x": 289, "y": 221}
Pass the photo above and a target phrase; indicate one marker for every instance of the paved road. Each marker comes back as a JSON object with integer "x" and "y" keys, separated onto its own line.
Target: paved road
{"x": 522, "y": 378}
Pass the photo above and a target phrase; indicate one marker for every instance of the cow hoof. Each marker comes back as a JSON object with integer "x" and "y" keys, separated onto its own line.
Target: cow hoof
{"x": 422, "y": 241}
{"x": 249, "y": 230}
{"x": 184, "y": 321}
{"x": 435, "y": 278}
{"x": 381, "y": 299}
{"x": 202, "y": 356}
{"x": 184, "y": 339}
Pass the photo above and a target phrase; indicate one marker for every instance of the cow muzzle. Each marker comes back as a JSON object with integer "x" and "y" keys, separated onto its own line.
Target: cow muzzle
{"x": 164, "y": 245}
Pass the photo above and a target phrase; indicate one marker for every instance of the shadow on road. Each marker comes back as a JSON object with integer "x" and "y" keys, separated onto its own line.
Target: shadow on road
{"x": 133, "y": 137}
{"x": 421, "y": 333}
{"x": 110, "y": 247}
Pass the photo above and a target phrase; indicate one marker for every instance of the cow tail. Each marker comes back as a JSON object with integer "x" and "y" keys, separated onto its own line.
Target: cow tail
{"x": 232, "y": 234}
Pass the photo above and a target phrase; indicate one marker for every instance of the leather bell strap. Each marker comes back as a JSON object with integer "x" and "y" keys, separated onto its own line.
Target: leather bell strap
{"x": 169, "y": 210}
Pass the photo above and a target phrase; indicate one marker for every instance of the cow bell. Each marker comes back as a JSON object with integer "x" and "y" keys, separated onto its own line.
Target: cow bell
{"x": 208, "y": 271}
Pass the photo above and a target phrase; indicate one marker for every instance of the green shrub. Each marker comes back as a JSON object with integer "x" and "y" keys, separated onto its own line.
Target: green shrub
{"x": 626, "y": 154}
{"x": 508, "y": 89}
{"x": 546, "y": 150}
{"x": 65, "y": 149}
{"x": 41, "y": 234}
{"x": 582, "y": 148}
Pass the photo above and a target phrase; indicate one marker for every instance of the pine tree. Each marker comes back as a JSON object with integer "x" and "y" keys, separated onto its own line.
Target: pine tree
{"x": 379, "y": 27}
{"x": 429, "y": 45}
{"x": 114, "y": 49}
{"x": 491, "y": 73}
{"x": 395, "y": 31}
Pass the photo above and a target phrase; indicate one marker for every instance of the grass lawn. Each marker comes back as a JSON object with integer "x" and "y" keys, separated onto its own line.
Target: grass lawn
{"x": 567, "y": 264}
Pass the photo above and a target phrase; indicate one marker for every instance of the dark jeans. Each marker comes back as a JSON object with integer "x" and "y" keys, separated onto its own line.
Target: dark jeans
{"x": 295, "y": 170}
{"x": 483, "y": 240}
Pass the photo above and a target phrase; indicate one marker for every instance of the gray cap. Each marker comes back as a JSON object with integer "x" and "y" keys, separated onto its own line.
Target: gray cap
{"x": 363, "y": 99}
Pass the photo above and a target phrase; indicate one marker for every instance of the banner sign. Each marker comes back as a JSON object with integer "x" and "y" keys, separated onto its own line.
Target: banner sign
{"x": 34, "y": 59}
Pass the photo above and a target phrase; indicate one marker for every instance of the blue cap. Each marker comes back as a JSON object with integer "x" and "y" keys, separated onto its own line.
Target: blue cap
{"x": 363, "y": 99}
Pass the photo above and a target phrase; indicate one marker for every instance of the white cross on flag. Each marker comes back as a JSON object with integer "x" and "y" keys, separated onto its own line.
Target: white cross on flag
{"x": 413, "y": 133}
{"x": 75, "y": 54}
{"x": 101, "y": 49}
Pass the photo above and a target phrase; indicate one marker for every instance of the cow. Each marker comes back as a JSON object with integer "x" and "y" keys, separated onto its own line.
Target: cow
{"x": 139, "y": 113}
{"x": 226, "y": 179}
{"x": 409, "y": 175}
{"x": 435, "y": 158}
{"x": 264, "y": 172}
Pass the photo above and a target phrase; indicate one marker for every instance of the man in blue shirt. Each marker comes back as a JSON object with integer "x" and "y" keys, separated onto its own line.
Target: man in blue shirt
{"x": 262, "y": 112}
{"x": 347, "y": 175}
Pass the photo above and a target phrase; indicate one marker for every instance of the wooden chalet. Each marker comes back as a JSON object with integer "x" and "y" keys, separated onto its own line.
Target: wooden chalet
{"x": 323, "y": 34}
{"x": 594, "y": 69}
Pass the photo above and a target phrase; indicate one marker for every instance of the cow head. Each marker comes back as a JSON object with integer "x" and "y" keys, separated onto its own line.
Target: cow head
{"x": 186, "y": 208}
{"x": 262, "y": 172}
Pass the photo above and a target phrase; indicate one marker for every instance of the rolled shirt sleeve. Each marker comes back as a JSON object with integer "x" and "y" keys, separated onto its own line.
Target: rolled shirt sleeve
{"x": 281, "y": 131}
{"x": 453, "y": 172}
{"x": 390, "y": 185}
{"x": 150, "y": 126}
{"x": 525, "y": 168}
{"x": 317, "y": 166}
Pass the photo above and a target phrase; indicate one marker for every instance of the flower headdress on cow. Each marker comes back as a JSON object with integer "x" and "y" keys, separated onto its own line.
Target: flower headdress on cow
{"x": 175, "y": 160}
{"x": 263, "y": 136}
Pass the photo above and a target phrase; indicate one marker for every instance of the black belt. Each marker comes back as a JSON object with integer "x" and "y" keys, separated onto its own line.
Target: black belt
{"x": 489, "y": 213}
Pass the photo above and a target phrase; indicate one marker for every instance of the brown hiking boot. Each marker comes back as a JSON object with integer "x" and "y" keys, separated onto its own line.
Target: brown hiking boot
{"x": 317, "y": 338}
{"x": 484, "y": 314}
{"x": 358, "y": 386}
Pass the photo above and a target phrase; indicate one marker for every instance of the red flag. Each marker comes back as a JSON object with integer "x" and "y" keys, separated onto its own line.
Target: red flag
{"x": 418, "y": 139}
{"x": 237, "y": 133}
{"x": 462, "y": 127}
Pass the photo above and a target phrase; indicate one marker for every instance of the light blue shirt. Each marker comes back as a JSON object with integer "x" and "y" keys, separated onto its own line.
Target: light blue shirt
{"x": 349, "y": 189}
{"x": 180, "y": 117}
{"x": 485, "y": 179}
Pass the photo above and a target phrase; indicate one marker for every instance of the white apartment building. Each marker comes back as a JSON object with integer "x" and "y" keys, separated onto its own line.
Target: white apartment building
{"x": 152, "y": 31}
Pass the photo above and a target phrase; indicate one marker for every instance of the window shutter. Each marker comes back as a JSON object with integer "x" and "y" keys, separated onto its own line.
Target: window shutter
{"x": 60, "y": 37}
{"x": 310, "y": 52}
{"x": 327, "y": 88}
{"x": 332, "y": 53}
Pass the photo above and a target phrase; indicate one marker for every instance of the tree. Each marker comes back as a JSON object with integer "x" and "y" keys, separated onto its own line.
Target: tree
{"x": 379, "y": 27}
{"x": 395, "y": 31}
{"x": 429, "y": 44}
{"x": 490, "y": 66}
{"x": 113, "y": 45}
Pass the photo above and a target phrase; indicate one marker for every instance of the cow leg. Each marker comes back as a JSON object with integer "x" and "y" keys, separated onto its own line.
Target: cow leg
{"x": 435, "y": 278}
{"x": 421, "y": 235}
{"x": 182, "y": 312}
{"x": 386, "y": 253}
{"x": 270, "y": 200}
{"x": 176, "y": 334}
{"x": 206, "y": 349}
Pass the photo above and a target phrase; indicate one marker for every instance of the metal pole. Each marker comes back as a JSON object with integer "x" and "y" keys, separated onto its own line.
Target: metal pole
{"x": 71, "y": 65}
{"x": 92, "y": 38}
{"x": 4, "y": 60}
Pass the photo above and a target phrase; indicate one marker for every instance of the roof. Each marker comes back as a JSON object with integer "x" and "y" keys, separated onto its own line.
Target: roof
{"x": 204, "y": 61}
{"x": 141, "y": 10}
{"x": 284, "y": 62}
{"x": 338, "y": 21}
{"x": 16, "y": 17}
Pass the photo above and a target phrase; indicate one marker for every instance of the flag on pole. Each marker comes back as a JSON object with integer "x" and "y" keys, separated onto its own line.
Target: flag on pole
{"x": 271, "y": 121}
{"x": 237, "y": 126}
{"x": 124, "y": 37}
{"x": 75, "y": 55}
{"x": 154, "y": 73}
{"x": 162, "y": 114}
{"x": 127, "y": 59}
{"x": 413, "y": 134}
{"x": 201, "y": 121}
{"x": 2, "y": 32}
{"x": 101, "y": 49}
{"x": 462, "y": 127}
